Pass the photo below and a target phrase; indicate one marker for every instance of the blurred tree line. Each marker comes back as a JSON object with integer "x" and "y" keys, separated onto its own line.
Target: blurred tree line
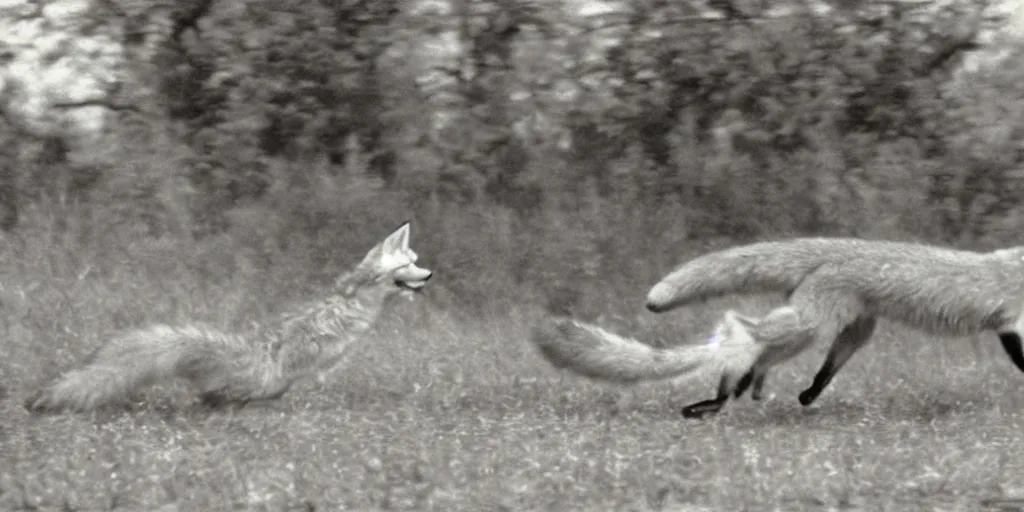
{"x": 532, "y": 145}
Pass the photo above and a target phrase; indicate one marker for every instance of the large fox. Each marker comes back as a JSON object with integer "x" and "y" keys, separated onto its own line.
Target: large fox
{"x": 836, "y": 289}
{"x": 235, "y": 368}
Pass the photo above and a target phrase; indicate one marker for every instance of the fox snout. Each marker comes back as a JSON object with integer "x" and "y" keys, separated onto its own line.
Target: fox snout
{"x": 660, "y": 298}
{"x": 654, "y": 307}
{"x": 412, "y": 277}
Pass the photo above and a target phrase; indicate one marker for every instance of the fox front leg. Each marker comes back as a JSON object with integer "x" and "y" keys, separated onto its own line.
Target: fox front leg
{"x": 852, "y": 338}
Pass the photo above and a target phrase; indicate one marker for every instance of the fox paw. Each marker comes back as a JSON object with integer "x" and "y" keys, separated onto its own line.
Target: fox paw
{"x": 808, "y": 397}
{"x": 703, "y": 409}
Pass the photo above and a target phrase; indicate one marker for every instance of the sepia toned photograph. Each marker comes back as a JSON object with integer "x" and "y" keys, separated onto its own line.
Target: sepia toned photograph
{"x": 512, "y": 255}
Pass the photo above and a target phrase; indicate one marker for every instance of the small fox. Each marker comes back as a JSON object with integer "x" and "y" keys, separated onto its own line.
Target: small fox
{"x": 235, "y": 368}
{"x": 836, "y": 290}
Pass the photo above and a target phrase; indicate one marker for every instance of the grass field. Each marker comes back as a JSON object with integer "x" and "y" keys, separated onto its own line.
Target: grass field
{"x": 446, "y": 412}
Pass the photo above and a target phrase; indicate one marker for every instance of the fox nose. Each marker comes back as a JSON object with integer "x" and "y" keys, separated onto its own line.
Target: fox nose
{"x": 659, "y": 299}
{"x": 655, "y": 308}
{"x": 430, "y": 273}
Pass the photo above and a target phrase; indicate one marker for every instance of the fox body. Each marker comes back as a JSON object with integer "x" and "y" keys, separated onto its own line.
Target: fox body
{"x": 836, "y": 289}
{"x": 308, "y": 341}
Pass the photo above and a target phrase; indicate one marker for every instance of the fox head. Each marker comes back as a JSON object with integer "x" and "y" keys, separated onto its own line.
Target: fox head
{"x": 390, "y": 267}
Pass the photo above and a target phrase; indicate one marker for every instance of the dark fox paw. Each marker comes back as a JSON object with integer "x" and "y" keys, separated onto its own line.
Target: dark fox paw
{"x": 808, "y": 397}
{"x": 702, "y": 409}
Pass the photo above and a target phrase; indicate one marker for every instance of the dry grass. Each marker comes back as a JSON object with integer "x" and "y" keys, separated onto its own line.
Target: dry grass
{"x": 439, "y": 413}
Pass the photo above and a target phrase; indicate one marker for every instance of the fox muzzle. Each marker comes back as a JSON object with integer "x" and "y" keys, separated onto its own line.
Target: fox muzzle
{"x": 660, "y": 298}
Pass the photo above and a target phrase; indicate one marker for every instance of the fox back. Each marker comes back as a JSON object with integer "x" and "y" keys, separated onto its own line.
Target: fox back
{"x": 954, "y": 296}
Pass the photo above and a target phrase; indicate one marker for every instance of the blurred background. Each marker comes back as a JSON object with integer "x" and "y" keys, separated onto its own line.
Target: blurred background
{"x": 214, "y": 160}
{"x": 559, "y": 153}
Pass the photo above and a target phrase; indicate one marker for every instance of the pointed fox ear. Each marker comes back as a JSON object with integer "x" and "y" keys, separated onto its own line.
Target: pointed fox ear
{"x": 398, "y": 240}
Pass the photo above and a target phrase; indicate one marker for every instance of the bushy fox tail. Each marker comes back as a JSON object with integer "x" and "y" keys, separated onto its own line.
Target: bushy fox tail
{"x": 756, "y": 268}
{"x": 134, "y": 360}
{"x": 596, "y": 353}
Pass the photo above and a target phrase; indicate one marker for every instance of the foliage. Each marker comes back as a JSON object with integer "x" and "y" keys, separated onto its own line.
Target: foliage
{"x": 535, "y": 146}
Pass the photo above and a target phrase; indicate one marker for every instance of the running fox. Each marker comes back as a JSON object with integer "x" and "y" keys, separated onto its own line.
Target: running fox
{"x": 224, "y": 368}
{"x": 836, "y": 290}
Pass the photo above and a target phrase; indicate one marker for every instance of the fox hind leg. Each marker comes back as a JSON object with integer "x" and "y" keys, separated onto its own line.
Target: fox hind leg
{"x": 852, "y": 338}
{"x": 787, "y": 334}
{"x": 752, "y": 380}
{"x": 757, "y": 393}
{"x": 744, "y": 383}
{"x": 817, "y": 310}
{"x": 713, "y": 405}
{"x": 727, "y": 384}
{"x": 1011, "y": 341}
{"x": 780, "y": 324}
{"x": 752, "y": 377}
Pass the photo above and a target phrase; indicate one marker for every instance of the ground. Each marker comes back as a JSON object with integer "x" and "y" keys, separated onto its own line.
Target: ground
{"x": 438, "y": 413}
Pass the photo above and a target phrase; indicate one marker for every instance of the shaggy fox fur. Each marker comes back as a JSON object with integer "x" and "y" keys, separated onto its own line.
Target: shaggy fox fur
{"x": 596, "y": 353}
{"x": 224, "y": 368}
{"x": 836, "y": 289}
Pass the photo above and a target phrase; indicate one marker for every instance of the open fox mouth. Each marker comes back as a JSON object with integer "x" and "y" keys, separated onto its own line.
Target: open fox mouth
{"x": 411, "y": 285}
{"x": 411, "y": 277}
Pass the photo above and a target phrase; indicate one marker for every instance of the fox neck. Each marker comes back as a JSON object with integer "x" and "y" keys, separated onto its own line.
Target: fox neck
{"x": 333, "y": 317}
{"x": 302, "y": 339}
{"x": 336, "y": 319}
{"x": 361, "y": 290}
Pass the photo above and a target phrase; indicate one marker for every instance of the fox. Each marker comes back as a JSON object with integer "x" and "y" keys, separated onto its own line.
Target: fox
{"x": 835, "y": 291}
{"x": 222, "y": 368}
